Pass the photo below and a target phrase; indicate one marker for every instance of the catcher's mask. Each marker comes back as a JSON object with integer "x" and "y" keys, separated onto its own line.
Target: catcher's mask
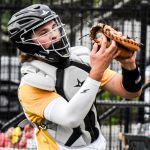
{"x": 23, "y": 24}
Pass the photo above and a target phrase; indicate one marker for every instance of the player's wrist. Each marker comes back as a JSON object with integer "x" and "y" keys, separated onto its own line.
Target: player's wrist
{"x": 93, "y": 81}
{"x": 96, "y": 75}
{"x": 129, "y": 66}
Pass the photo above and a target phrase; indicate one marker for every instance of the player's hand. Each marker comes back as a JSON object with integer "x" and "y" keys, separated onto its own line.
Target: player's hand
{"x": 101, "y": 57}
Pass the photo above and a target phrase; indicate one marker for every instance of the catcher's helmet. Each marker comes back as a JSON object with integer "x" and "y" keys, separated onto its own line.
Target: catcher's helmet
{"x": 23, "y": 24}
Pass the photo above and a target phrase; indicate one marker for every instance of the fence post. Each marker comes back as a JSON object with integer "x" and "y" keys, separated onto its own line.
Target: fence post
{"x": 143, "y": 13}
{"x": 126, "y": 119}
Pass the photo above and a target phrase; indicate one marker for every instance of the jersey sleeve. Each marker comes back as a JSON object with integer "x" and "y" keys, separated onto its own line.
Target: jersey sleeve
{"x": 35, "y": 100}
{"x": 107, "y": 76}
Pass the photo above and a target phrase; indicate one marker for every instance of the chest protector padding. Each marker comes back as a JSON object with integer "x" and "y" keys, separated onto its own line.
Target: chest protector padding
{"x": 65, "y": 81}
{"x": 74, "y": 77}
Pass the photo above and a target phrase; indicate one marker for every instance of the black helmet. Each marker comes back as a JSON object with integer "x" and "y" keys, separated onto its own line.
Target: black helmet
{"x": 23, "y": 24}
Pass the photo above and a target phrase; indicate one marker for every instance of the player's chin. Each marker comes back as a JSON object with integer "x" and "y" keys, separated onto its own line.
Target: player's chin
{"x": 51, "y": 44}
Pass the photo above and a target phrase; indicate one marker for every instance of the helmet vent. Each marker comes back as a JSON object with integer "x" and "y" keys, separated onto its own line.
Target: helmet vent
{"x": 25, "y": 21}
{"x": 13, "y": 31}
{"x": 38, "y": 7}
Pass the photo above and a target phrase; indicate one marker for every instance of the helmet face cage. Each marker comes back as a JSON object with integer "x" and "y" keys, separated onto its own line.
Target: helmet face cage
{"x": 58, "y": 46}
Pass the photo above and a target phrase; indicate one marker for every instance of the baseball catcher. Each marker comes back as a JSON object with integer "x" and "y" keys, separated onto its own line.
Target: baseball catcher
{"x": 59, "y": 85}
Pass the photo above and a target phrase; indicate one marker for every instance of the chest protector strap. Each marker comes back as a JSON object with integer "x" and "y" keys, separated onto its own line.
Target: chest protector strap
{"x": 59, "y": 82}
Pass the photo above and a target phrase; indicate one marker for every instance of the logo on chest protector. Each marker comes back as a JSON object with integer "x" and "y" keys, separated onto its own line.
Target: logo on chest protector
{"x": 79, "y": 84}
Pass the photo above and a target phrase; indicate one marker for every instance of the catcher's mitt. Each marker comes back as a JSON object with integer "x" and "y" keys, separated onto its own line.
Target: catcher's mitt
{"x": 125, "y": 44}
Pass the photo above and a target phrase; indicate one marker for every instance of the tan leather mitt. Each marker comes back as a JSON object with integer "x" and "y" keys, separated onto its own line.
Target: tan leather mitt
{"x": 126, "y": 45}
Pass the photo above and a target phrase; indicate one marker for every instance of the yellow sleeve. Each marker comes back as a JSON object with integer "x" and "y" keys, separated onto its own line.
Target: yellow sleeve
{"x": 107, "y": 76}
{"x": 35, "y": 100}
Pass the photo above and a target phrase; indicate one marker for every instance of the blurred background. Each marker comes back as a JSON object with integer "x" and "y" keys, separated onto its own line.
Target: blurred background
{"x": 116, "y": 115}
